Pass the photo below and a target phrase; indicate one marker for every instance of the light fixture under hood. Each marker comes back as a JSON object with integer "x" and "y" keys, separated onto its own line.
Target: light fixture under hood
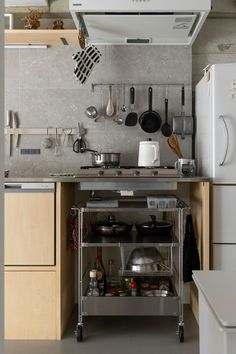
{"x": 163, "y": 22}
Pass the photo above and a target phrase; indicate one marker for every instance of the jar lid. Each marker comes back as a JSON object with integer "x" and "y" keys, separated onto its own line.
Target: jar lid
{"x": 93, "y": 273}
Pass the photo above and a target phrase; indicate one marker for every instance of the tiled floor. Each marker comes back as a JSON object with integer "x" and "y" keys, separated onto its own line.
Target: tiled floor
{"x": 116, "y": 335}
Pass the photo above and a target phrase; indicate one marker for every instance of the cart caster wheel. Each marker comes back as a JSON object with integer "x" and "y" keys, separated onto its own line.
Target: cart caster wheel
{"x": 79, "y": 334}
{"x": 181, "y": 334}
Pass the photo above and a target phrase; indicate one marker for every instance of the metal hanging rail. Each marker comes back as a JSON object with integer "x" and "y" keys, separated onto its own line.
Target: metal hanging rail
{"x": 174, "y": 84}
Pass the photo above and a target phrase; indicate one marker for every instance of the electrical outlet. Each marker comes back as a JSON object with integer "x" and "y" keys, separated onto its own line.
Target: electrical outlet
{"x": 30, "y": 151}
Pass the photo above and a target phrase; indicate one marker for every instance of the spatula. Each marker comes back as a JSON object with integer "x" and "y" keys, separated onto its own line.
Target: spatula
{"x": 132, "y": 117}
{"x": 173, "y": 143}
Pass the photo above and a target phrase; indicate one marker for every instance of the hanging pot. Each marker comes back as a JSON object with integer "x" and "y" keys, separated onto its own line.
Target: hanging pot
{"x": 150, "y": 121}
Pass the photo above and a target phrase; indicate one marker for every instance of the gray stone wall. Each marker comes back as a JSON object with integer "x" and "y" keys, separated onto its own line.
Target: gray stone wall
{"x": 40, "y": 86}
{"x": 216, "y": 43}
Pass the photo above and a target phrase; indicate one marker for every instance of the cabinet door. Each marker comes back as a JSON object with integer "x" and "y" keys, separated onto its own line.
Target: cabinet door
{"x": 29, "y": 229}
{"x": 223, "y": 216}
{"x": 224, "y": 257}
{"x": 30, "y": 305}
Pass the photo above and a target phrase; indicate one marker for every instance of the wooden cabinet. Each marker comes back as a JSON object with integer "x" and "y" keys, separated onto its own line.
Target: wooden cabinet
{"x": 41, "y": 37}
{"x": 29, "y": 228}
{"x": 30, "y": 305}
{"x": 39, "y": 275}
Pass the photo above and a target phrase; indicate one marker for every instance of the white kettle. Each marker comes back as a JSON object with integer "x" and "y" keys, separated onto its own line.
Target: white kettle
{"x": 149, "y": 154}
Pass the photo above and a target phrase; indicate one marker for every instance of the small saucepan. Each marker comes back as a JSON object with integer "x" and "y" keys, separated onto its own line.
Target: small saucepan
{"x": 99, "y": 159}
{"x": 154, "y": 228}
{"x": 106, "y": 159}
{"x": 111, "y": 227}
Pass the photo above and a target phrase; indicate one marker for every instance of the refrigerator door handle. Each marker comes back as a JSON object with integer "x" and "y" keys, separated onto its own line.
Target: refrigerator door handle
{"x": 227, "y": 140}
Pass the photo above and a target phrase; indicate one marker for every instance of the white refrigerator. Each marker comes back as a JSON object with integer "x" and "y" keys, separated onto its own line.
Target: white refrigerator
{"x": 216, "y": 157}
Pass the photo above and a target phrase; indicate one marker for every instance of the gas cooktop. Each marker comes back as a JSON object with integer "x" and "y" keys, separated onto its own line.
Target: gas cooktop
{"x": 120, "y": 171}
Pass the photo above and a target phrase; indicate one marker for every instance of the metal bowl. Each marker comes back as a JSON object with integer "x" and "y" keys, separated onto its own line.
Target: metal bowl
{"x": 144, "y": 259}
{"x": 162, "y": 293}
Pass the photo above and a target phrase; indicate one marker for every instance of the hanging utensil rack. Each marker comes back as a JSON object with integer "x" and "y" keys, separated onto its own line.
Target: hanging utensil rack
{"x": 41, "y": 131}
{"x": 177, "y": 84}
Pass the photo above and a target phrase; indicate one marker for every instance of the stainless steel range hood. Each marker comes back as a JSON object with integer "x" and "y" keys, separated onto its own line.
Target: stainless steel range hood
{"x": 163, "y": 22}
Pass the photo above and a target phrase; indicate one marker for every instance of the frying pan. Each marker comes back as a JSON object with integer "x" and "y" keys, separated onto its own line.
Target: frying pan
{"x": 150, "y": 121}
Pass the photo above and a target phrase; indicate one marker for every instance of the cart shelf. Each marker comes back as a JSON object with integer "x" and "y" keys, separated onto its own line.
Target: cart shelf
{"x": 129, "y": 240}
{"x": 131, "y": 306}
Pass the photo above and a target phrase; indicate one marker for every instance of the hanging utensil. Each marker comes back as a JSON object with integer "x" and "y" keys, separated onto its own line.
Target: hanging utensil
{"x": 118, "y": 120}
{"x": 150, "y": 121}
{"x": 9, "y": 136}
{"x": 173, "y": 143}
{"x": 166, "y": 128}
{"x": 57, "y": 145}
{"x": 16, "y": 134}
{"x": 132, "y": 117}
{"x": 79, "y": 145}
{"x": 110, "y": 107}
{"x": 183, "y": 125}
{"x": 123, "y": 107}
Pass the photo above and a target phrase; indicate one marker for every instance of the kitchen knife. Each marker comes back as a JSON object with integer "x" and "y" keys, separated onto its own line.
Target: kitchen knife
{"x": 16, "y": 134}
{"x": 8, "y": 137}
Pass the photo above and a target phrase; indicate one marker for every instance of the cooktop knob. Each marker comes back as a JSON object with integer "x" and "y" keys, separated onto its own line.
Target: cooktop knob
{"x": 100, "y": 173}
{"x": 118, "y": 173}
{"x": 155, "y": 173}
{"x": 136, "y": 173}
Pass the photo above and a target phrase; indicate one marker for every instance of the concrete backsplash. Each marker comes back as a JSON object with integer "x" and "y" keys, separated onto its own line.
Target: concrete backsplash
{"x": 41, "y": 87}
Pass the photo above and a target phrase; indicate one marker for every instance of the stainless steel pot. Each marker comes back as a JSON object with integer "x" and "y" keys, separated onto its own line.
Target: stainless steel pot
{"x": 111, "y": 227}
{"x": 144, "y": 259}
{"x": 107, "y": 159}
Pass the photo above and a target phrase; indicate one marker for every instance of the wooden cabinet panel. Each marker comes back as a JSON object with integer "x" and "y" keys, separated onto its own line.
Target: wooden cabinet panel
{"x": 29, "y": 229}
{"x": 30, "y": 305}
{"x": 41, "y": 37}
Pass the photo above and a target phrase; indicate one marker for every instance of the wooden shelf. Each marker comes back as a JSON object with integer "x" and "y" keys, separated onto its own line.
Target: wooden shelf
{"x": 41, "y": 37}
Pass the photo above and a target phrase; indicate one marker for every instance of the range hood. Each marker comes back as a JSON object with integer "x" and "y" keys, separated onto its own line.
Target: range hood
{"x": 163, "y": 22}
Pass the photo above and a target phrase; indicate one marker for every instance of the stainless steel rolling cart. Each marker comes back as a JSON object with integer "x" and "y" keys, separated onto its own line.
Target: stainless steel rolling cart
{"x": 171, "y": 245}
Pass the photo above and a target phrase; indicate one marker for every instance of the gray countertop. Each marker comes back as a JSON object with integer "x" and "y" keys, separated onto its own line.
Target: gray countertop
{"x": 219, "y": 290}
{"x": 78, "y": 179}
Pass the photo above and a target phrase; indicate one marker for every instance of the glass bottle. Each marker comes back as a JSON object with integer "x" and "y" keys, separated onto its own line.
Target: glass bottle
{"x": 101, "y": 276}
{"x": 93, "y": 284}
{"x": 133, "y": 286}
{"x": 111, "y": 281}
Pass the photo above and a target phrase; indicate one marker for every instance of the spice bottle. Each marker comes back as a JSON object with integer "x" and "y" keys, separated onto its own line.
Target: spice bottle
{"x": 101, "y": 276}
{"x": 133, "y": 286}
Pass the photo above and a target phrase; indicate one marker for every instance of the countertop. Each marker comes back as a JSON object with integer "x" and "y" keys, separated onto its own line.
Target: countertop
{"x": 79, "y": 179}
{"x": 219, "y": 290}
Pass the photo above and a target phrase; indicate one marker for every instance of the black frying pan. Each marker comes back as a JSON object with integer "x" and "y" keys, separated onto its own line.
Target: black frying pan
{"x": 150, "y": 121}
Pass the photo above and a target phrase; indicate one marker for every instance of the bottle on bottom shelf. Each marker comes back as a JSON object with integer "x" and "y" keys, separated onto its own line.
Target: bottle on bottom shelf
{"x": 93, "y": 284}
{"x": 101, "y": 276}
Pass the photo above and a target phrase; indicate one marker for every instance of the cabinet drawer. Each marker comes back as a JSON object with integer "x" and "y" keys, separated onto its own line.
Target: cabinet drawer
{"x": 29, "y": 229}
{"x": 30, "y": 305}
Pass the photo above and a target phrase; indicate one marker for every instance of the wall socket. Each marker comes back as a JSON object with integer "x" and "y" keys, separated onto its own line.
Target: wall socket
{"x": 30, "y": 151}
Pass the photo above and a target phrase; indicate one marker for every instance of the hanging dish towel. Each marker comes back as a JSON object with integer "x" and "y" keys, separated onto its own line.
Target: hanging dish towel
{"x": 74, "y": 232}
{"x": 191, "y": 259}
